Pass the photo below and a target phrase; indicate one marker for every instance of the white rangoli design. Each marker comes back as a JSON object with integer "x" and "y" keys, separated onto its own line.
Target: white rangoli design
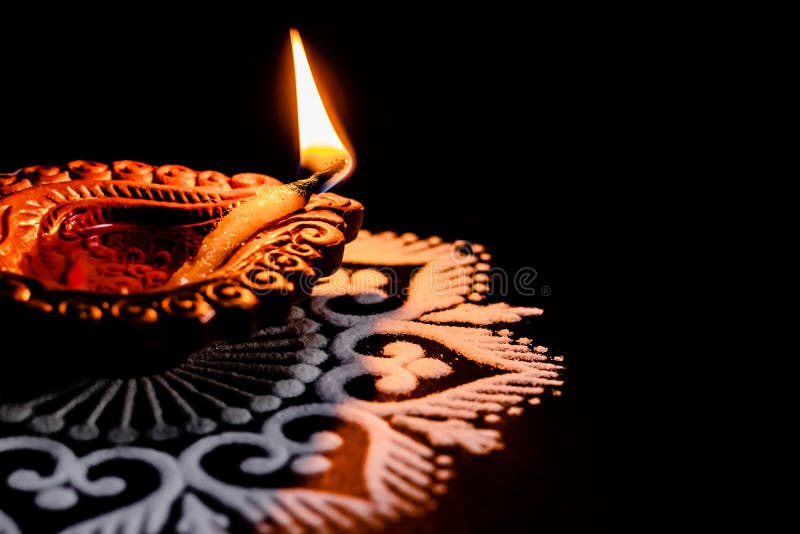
{"x": 405, "y": 338}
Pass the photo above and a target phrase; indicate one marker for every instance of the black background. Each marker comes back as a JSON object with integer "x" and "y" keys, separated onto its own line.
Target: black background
{"x": 550, "y": 139}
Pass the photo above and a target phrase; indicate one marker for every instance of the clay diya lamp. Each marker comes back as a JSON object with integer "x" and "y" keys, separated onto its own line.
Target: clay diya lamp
{"x": 101, "y": 263}
{"x": 128, "y": 267}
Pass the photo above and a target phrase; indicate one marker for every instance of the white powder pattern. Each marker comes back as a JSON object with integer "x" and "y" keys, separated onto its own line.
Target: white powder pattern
{"x": 405, "y": 463}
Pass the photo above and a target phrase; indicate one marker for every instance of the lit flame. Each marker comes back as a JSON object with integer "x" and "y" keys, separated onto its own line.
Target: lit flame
{"x": 320, "y": 145}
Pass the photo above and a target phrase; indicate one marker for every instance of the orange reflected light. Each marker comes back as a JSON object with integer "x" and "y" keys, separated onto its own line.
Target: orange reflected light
{"x": 320, "y": 144}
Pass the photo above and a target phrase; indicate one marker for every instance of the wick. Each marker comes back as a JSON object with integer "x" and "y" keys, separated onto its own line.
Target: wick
{"x": 269, "y": 204}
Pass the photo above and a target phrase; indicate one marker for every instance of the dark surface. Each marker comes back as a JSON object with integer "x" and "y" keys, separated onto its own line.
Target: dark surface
{"x": 526, "y": 136}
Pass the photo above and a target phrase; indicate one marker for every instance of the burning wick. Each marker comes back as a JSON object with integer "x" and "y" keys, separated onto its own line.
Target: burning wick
{"x": 269, "y": 204}
{"x": 321, "y": 151}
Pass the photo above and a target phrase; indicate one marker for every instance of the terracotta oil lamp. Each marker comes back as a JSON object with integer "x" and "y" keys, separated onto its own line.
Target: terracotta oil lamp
{"x": 131, "y": 266}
